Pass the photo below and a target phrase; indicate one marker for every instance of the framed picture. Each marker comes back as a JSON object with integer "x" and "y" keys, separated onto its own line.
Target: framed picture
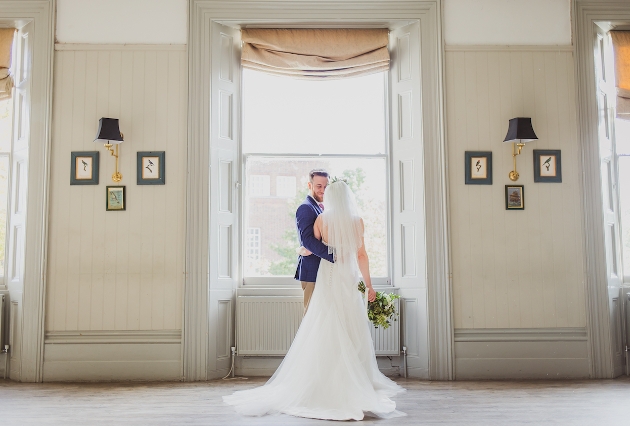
{"x": 84, "y": 167}
{"x": 547, "y": 165}
{"x": 151, "y": 167}
{"x": 514, "y": 197}
{"x": 478, "y": 167}
{"x": 116, "y": 200}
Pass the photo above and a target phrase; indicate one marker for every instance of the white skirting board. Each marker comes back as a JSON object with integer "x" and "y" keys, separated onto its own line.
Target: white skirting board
{"x": 537, "y": 353}
{"x": 113, "y": 356}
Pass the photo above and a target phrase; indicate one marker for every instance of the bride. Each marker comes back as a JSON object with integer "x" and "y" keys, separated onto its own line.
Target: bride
{"x": 330, "y": 371}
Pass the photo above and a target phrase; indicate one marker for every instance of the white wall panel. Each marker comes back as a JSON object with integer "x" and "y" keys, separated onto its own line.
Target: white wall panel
{"x": 514, "y": 269}
{"x": 122, "y": 21}
{"x": 112, "y": 356}
{"x": 407, "y": 190}
{"x": 507, "y": 22}
{"x": 526, "y": 353}
{"x": 117, "y": 270}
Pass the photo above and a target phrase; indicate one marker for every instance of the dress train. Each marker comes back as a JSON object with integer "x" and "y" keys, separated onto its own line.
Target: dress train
{"x": 330, "y": 371}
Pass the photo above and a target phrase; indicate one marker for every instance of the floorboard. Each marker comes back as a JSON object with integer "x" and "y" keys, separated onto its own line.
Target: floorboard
{"x": 595, "y": 402}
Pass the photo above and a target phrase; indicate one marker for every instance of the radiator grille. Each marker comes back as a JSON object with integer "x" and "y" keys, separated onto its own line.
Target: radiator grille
{"x": 266, "y": 326}
{"x": 387, "y": 342}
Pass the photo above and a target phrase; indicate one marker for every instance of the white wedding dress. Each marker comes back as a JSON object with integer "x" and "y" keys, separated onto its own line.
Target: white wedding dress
{"x": 330, "y": 371}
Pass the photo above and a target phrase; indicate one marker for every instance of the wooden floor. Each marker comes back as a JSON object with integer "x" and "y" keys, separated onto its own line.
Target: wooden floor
{"x": 601, "y": 402}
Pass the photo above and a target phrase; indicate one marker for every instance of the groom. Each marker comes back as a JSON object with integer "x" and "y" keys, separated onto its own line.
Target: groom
{"x": 305, "y": 217}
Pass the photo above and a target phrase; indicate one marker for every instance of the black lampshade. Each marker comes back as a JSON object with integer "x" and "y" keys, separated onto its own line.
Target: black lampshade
{"x": 108, "y": 131}
{"x": 520, "y": 130}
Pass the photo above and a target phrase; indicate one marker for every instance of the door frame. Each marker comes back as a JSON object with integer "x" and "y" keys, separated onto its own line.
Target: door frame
{"x": 439, "y": 330}
{"x": 42, "y": 13}
{"x": 586, "y": 13}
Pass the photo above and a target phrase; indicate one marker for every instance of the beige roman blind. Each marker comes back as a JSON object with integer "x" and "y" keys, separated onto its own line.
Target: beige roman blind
{"x": 315, "y": 53}
{"x": 621, "y": 47}
{"x": 6, "y": 43}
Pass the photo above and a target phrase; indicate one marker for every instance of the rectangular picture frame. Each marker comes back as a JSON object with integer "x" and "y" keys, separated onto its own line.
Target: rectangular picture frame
{"x": 151, "y": 168}
{"x": 478, "y": 167}
{"x": 84, "y": 167}
{"x": 547, "y": 165}
{"x": 514, "y": 197}
{"x": 116, "y": 198}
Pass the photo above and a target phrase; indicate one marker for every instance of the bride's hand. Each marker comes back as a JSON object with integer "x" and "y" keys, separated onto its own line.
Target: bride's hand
{"x": 303, "y": 251}
{"x": 371, "y": 294}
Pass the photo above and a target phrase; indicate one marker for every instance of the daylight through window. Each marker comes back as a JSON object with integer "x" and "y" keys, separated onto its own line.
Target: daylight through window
{"x": 291, "y": 126}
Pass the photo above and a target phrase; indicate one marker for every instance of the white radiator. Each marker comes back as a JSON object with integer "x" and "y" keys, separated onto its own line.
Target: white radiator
{"x": 266, "y": 326}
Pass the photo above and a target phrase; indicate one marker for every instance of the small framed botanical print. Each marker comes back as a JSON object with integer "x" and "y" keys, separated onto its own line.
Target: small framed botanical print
{"x": 151, "y": 168}
{"x": 547, "y": 165}
{"x": 514, "y": 197}
{"x": 478, "y": 167}
{"x": 84, "y": 167}
{"x": 116, "y": 199}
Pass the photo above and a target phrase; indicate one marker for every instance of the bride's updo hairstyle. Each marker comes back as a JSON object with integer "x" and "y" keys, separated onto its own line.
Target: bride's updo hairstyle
{"x": 341, "y": 219}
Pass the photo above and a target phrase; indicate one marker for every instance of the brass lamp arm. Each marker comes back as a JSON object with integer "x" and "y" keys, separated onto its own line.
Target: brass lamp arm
{"x": 117, "y": 176}
{"x": 514, "y": 174}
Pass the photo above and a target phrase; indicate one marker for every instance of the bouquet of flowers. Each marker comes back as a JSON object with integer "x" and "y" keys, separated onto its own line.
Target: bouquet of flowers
{"x": 382, "y": 309}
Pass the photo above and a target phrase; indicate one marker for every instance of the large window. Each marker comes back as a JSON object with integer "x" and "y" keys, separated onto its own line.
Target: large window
{"x": 291, "y": 126}
{"x": 622, "y": 139}
{"x": 6, "y": 119}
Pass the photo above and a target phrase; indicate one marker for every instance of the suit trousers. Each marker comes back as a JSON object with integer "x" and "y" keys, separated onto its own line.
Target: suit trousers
{"x": 308, "y": 292}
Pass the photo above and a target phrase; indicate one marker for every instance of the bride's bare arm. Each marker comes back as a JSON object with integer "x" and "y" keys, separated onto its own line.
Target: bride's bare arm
{"x": 364, "y": 267}
{"x": 317, "y": 228}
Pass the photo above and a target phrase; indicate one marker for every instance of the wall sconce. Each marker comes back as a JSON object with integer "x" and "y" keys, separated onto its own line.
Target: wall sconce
{"x": 109, "y": 134}
{"x": 519, "y": 132}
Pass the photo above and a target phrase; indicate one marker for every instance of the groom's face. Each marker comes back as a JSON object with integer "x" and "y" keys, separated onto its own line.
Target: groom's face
{"x": 317, "y": 187}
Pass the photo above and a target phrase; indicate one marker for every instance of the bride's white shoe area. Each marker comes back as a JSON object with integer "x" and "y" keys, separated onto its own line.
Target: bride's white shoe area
{"x": 330, "y": 371}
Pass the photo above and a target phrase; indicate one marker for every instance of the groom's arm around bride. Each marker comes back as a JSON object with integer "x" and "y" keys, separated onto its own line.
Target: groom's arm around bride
{"x": 305, "y": 216}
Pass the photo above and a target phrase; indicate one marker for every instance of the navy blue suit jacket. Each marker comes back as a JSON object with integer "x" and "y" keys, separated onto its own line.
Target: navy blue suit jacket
{"x": 304, "y": 220}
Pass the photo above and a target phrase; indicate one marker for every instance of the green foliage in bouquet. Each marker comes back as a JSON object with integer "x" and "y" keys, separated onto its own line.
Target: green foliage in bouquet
{"x": 382, "y": 310}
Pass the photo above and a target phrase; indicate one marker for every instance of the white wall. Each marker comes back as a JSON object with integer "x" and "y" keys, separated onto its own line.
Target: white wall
{"x": 518, "y": 279}
{"x": 507, "y": 22}
{"x": 117, "y": 270}
{"x": 115, "y": 279}
{"x": 122, "y": 21}
{"x": 518, "y": 276}
{"x": 514, "y": 269}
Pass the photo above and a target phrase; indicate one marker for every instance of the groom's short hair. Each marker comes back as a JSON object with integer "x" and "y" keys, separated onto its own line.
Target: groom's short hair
{"x": 317, "y": 172}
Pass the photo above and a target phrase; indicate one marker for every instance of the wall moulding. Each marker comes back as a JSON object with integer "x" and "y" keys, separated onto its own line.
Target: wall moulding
{"x": 113, "y": 336}
{"x": 110, "y": 360}
{"x": 520, "y": 334}
{"x": 521, "y": 353}
{"x": 123, "y": 47}
{"x": 508, "y": 48}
